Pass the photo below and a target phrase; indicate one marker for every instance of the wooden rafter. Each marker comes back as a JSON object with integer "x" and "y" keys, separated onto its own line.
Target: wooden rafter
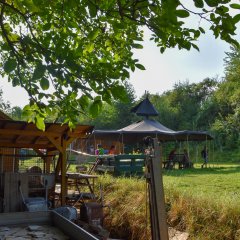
{"x": 19, "y": 136}
{"x": 56, "y": 143}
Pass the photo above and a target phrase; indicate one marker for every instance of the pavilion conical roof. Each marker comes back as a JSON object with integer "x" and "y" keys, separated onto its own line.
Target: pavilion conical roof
{"x": 145, "y": 108}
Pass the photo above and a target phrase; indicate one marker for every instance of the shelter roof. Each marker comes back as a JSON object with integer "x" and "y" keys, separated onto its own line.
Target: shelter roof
{"x": 4, "y": 116}
{"x": 21, "y": 134}
{"x": 147, "y": 127}
{"x": 145, "y": 108}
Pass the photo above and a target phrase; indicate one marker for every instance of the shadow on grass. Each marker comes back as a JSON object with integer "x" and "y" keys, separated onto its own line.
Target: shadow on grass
{"x": 228, "y": 169}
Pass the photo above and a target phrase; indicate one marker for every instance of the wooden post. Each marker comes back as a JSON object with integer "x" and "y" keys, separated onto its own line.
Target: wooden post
{"x": 63, "y": 171}
{"x": 159, "y": 228}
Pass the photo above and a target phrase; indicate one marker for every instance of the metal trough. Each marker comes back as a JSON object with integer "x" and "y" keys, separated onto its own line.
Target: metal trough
{"x": 51, "y": 218}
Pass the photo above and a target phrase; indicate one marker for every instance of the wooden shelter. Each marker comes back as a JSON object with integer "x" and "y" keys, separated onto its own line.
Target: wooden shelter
{"x": 4, "y": 116}
{"x": 16, "y": 135}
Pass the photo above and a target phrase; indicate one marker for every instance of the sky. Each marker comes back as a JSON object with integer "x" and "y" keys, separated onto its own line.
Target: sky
{"x": 162, "y": 70}
{"x": 173, "y": 66}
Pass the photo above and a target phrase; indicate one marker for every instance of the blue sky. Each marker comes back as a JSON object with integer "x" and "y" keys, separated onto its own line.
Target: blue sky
{"x": 164, "y": 70}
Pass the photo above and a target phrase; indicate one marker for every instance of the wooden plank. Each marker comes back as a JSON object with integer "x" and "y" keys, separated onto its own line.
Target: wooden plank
{"x": 159, "y": 193}
{"x": 24, "y": 179}
{"x": 21, "y": 218}
{"x": 63, "y": 173}
{"x": 27, "y": 132}
{"x": 56, "y": 143}
{"x": 6, "y": 201}
{"x": 70, "y": 229}
{"x": 24, "y": 145}
{"x": 15, "y": 200}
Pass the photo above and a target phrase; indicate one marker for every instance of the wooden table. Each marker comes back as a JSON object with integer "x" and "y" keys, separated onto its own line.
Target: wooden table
{"x": 177, "y": 159}
{"x": 80, "y": 179}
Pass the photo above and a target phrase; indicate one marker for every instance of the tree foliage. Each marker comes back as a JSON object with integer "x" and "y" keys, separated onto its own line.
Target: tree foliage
{"x": 227, "y": 123}
{"x": 115, "y": 115}
{"x": 187, "y": 106}
{"x": 4, "y": 105}
{"x": 72, "y": 55}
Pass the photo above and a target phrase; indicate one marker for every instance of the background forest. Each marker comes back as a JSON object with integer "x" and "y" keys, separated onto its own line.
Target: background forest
{"x": 211, "y": 105}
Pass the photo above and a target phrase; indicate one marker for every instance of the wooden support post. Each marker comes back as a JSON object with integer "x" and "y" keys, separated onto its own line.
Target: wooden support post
{"x": 63, "y": 172}
{"x": 159, "y": 228}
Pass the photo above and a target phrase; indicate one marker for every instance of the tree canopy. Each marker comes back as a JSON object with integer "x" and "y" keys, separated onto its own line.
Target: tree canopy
{"x": 72, "y": 55}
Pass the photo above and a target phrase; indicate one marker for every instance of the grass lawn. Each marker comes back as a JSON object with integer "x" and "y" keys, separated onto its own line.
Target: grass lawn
{"x": 219, "y": 183}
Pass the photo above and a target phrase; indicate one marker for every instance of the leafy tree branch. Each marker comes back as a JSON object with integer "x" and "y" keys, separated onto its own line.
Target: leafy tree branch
{"x": 71, "y": 56}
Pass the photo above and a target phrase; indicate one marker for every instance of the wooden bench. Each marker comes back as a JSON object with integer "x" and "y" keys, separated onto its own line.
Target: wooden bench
{"x": 177, "y": 159}
{"x": 124, "y": 164}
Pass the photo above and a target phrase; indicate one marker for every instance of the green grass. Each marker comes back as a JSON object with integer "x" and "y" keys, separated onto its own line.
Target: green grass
{"x": 204, "y": 202}
{"x": 220, "y": 184}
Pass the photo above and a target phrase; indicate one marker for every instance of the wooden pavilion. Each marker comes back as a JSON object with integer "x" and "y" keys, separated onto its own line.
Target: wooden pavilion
{"x": 18, "y": 135}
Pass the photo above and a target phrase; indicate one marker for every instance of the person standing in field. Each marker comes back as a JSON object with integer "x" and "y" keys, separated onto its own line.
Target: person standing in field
{"x": 204, "y": 154}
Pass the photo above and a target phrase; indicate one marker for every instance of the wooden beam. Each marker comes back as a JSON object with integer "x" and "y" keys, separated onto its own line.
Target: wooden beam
{"x": 63, "y": 172}
{"x": 26, "y": 145}
{"x": 40, "y": 153}
{"x": 35, "y": 140}
{"x": 38, "y": 137}
{"x": 69, "y": 141}
{"x": 56, "y": 143}
{"x": 27, "y": 132}
{"x": 18, "y": 137}
{"x": 48, "y": 158}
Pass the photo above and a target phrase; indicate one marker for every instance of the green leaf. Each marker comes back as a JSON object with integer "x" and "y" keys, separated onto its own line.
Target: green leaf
{"x": 140, "y": 66}
{"x": 119, "y": 92}
{"x": 92, "y": 10}
{"x": 13, "y": 37}
{"x": 236, "y": 18}
{"x": 47, "y": 26}
{"x": 95, "y": 107}
{"x": 93, "y": 35}
{"x": 201, "y": 30}
{"x": 10, "y": 65}
{"x": 182, "y": 13}
{"x": 30, "y": 5}
{"x": 89, "y": 48}
{"x": 199, "y": 3}
{"x": 212, "y": 3}
{"x": 195, "y": 46}
{"x": 162, "y": 49}
{"x": 83, "y": 101}
{"x": 106, "y": 96}
{"x": 39, "y": 71}
{"x": 39, "y": 121}
{"x": 44, "y": 83}
{"x": 15, "y": 82}
{"x": 136, "y": 45}
{"x": 235, "y": 6}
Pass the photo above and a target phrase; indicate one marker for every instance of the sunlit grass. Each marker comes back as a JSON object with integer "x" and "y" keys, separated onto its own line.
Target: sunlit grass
{"x": 205, "y": 202}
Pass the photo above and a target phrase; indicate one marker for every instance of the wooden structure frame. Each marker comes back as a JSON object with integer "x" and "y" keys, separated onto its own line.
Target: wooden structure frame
{"x": 54, "y": 140}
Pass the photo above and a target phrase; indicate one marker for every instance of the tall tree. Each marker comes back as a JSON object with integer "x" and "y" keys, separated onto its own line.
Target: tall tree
{"x": 115, "y": 115}
{"x": 72, "y": 54}
{"x": 188, "y": 106}
{"x": 227, "y": 124}
{"x": 16, "y": 113}
{"x": 4, "y": 105}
